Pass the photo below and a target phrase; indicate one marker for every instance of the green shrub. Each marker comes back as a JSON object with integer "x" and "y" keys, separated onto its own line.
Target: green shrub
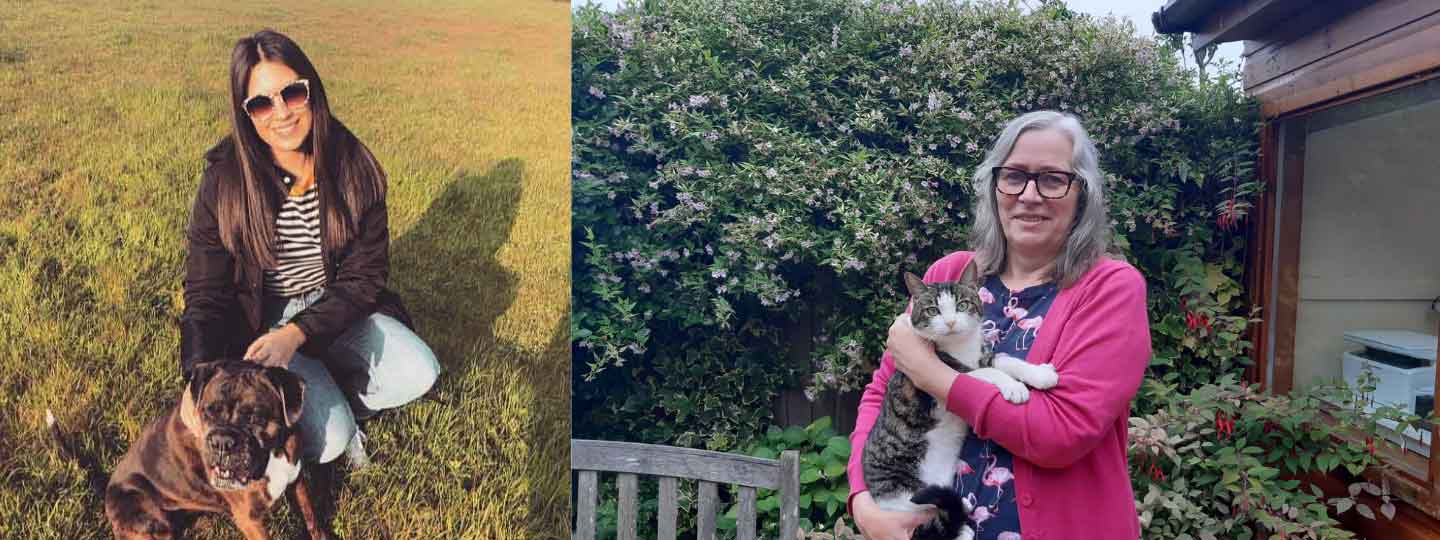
{"x": 824, "y": 455}
{"x": 742, "y": 168}
{"x": 1227, "y": 461}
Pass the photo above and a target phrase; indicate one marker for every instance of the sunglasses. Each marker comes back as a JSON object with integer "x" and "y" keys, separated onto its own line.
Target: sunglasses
{"x": 295, "y": 95}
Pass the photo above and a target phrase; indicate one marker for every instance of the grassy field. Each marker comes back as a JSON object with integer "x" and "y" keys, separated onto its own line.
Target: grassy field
{"x": 105, "y": 113}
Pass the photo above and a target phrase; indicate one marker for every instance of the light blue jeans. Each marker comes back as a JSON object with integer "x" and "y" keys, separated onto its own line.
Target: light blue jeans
{"x": 378, "y": 363}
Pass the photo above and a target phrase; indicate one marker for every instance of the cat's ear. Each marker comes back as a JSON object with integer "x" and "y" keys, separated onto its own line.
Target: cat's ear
{"x": 970, "y": 277}
{"x": 914, "y": 284}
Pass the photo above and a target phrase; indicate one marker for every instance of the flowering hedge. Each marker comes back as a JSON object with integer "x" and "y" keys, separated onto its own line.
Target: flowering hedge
{"x": 739, "y": 164}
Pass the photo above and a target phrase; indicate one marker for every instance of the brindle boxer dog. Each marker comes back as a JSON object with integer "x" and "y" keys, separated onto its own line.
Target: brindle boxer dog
{"x": 231, "y": 446}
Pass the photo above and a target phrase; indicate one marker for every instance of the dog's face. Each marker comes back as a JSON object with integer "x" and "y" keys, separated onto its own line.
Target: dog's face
{"x": 241, "y": 415}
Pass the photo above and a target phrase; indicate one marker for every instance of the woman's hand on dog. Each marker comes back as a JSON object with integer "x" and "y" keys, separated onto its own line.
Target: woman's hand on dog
{"x": 276, "y": 347}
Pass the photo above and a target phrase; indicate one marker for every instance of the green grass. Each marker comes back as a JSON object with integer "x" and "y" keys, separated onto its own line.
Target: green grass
{"x": 105, "y": 113}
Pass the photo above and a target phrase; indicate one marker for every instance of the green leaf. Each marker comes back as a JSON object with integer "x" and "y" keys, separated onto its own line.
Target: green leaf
{"x": 793, "y": 435}
{"x": 808, "y": 476}
{"x": 819, "y": 424}
{"x": 834, "y": 470}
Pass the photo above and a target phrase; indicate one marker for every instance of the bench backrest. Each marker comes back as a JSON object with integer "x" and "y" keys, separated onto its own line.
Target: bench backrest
{"x": 670, "y": 464}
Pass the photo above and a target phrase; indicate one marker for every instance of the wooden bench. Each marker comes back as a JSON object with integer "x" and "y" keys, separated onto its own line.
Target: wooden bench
{"x": 670, "y": 463}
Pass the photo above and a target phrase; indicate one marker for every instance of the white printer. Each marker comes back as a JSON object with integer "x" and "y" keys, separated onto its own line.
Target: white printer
{"x": 1403, "y": 362}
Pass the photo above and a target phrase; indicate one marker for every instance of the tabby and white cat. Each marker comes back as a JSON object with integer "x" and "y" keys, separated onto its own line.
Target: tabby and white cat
{"x": 911, "y": 455}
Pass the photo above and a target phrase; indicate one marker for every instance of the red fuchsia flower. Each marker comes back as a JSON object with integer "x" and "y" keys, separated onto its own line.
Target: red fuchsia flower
{"x": 1370, "y": 445}
{"x": 1224, "y": 425}
{"x": 1229, "y": 215}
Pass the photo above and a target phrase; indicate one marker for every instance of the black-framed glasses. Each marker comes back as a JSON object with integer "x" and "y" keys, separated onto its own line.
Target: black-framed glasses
{"x": 295, "y": 95}
{"x": 1049, "y": 184}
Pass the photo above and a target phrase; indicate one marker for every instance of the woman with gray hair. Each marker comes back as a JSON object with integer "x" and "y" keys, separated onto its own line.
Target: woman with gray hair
{"x": 1055, "y": 465}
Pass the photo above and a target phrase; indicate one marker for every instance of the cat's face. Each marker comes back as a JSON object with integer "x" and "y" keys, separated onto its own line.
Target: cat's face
{"x": 950, "y": 308}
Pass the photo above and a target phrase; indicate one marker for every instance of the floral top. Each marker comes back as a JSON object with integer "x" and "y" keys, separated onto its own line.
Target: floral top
{"x": 1011, "y": 321}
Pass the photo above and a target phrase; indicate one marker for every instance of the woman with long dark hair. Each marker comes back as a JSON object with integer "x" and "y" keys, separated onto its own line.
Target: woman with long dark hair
{"x": 288, "y": 248}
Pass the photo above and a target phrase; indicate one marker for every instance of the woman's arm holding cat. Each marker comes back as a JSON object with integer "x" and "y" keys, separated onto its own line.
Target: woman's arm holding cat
{"x": 865, "y": 416}
{"x": 875, "y": 523}
{"x": 1101, "y": 358}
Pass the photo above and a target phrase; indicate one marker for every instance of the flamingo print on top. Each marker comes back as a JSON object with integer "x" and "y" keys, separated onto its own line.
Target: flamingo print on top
{"x": 1011, "y": 321}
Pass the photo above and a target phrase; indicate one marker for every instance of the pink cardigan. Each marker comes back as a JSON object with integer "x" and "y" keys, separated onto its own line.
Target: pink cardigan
{"x": 1072, "y": 479}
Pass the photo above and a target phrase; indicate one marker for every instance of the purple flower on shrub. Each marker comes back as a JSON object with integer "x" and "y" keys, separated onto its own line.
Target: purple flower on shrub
{"x": 771, "y": 173}
{"x": 703, "y": 173}
{"x": 597, "y": 93}
{"x": 718, "y": 273}
{"x": 906, "y": 51}
{"x": 933, "y": 103}
{"x": 698, "y": 101}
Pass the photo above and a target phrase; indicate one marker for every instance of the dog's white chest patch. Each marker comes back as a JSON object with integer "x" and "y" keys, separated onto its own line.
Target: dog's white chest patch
{"x": 279, "y": 473}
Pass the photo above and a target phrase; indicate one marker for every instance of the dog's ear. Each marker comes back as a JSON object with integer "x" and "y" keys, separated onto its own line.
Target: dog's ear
{"x": 200, "y": 375}
{"x": 291, "y": 389}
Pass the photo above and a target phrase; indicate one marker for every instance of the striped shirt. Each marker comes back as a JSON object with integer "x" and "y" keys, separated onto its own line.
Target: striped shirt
{"x": 299, "y": 268}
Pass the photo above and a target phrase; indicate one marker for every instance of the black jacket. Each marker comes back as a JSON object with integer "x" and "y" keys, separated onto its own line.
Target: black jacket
{"x": 223, "y": 293}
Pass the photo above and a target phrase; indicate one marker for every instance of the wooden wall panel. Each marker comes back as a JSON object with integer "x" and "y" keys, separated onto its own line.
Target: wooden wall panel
{"x": 1408, "y": 50}
{"x": 1286, "y": 278}
{"x": 1260, "y": 252}
{"x": 1289, "y": 46}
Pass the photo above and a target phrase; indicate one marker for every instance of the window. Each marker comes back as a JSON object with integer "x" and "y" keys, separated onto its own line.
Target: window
{"x": 1356, "y": 269}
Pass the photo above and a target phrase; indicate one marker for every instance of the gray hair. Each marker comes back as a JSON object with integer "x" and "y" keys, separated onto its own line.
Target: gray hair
{"x": 1089, "y": 235}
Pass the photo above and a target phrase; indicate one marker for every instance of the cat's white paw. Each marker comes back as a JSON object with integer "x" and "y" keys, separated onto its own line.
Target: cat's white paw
{"x": 1043, "y": 376}
{"x": 966, "y": 533}
{"x": 1013, "y": 391}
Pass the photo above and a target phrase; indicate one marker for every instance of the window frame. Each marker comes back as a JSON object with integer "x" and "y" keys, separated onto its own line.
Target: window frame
{"x": 1273, "y": 282}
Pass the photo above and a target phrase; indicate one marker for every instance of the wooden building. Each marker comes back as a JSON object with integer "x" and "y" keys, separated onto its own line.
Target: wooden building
{"x": 1347, "y": 236}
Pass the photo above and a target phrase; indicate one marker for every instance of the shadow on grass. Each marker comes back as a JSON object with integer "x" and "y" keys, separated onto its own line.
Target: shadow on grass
{"x": 445, "y": 267}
